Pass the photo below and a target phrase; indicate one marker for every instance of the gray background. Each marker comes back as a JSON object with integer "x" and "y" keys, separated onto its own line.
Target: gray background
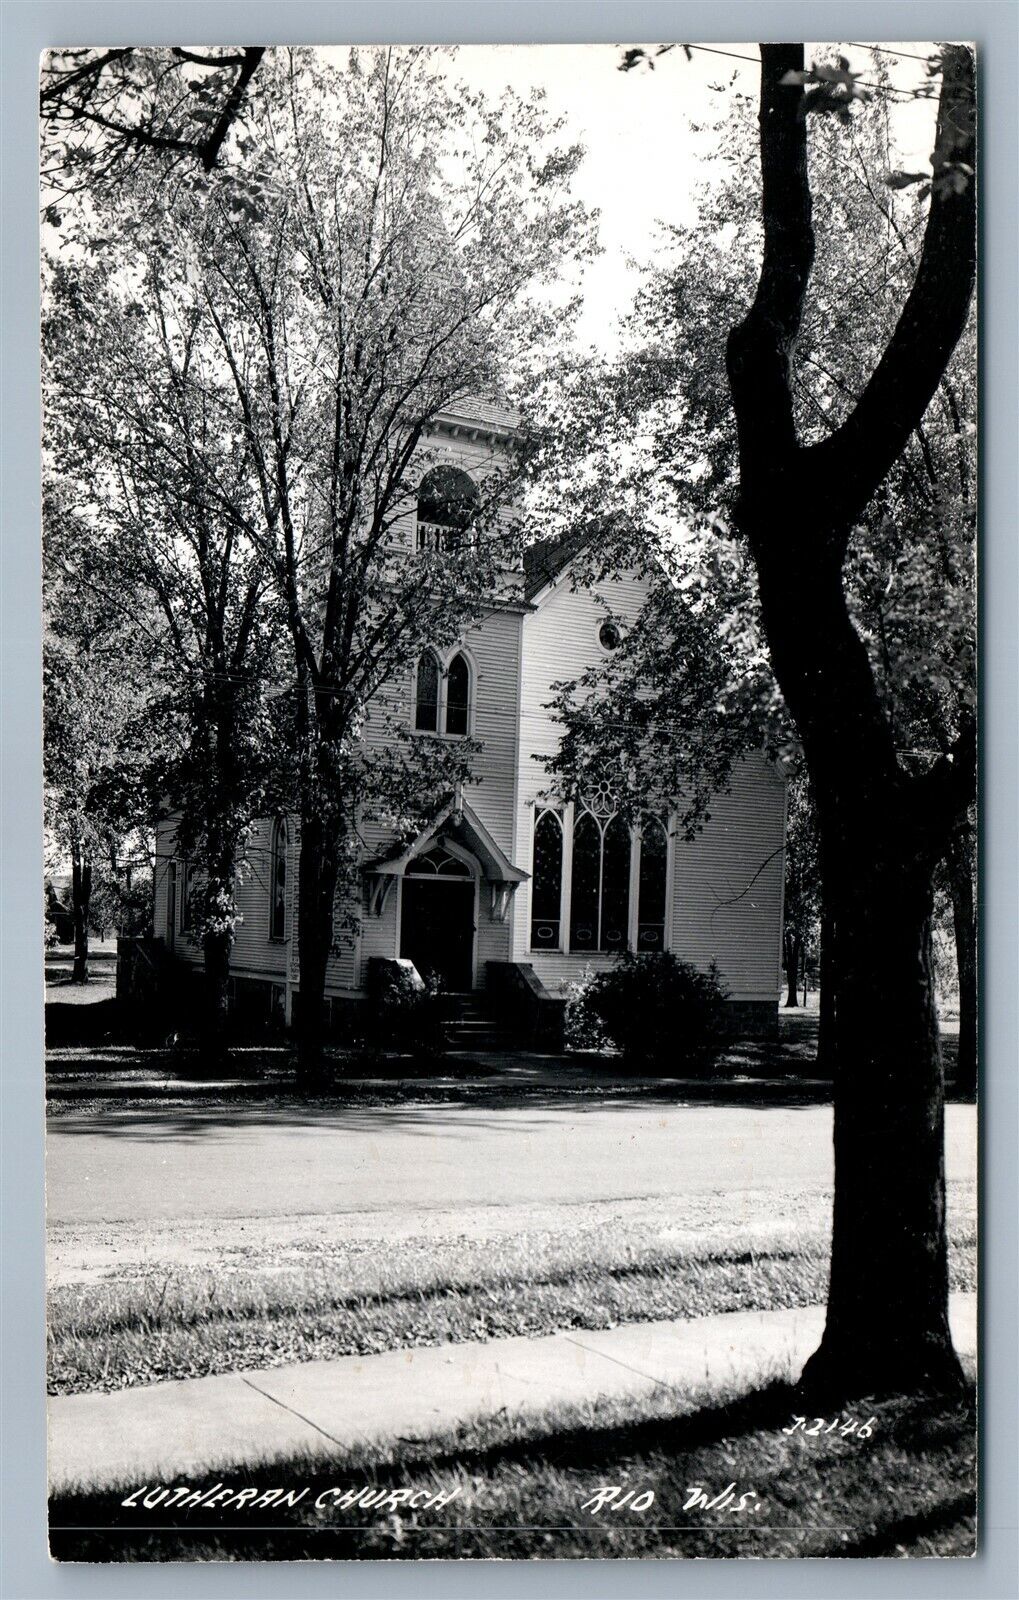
{"x": 28, "y": 26}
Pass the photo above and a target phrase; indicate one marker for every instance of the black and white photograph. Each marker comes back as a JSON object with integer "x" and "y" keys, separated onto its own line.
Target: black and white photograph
{"x": 509, "y": 547}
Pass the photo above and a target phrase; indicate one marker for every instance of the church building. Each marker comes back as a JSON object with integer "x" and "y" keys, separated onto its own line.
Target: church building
{"x": 507, "y": 889}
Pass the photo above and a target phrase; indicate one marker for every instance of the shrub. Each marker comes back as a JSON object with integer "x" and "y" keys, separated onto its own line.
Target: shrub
{"x": 581, "y": 1028}
{"x": 662, "y": 1013}
{"x": 405, "y": 1014}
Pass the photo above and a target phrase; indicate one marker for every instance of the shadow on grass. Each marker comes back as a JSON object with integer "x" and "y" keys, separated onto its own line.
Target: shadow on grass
{"x": 905, "y": 1492}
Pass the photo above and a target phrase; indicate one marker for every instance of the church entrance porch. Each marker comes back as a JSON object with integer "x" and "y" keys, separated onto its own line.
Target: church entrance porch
{"x": 438, "y": 916}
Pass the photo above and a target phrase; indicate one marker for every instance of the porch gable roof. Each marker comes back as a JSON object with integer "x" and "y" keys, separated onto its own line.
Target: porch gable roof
{"x": 463, "y": 825}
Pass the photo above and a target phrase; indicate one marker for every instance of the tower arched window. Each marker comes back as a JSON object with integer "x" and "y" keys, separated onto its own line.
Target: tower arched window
{"x": 278, "y": 880}
{"x": 426, "y": 696}
{"x": 458, "y": 695}
{"x": 652, "y": 884}
{"x": 448, "y": 502}
{"x": 547, "y": 882}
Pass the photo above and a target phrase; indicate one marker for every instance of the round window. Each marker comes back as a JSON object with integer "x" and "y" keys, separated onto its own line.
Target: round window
{"x": 609, "y": 636}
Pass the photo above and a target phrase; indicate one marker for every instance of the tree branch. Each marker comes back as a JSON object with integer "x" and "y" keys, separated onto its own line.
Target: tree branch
{"x": 759, "y": 352}
{"x": 861, "y": 452}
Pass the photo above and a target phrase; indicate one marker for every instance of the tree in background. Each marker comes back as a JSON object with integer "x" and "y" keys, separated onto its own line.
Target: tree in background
{"x": 385, "y": 247}
{"x": 94, "y": 747}
{"x": 159, "y": 534}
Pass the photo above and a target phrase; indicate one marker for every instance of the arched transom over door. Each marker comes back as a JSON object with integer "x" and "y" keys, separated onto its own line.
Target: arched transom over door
{"x": 438, "y": 913}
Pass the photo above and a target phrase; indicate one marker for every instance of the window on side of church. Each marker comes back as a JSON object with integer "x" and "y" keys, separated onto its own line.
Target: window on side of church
{"x": 615, "y": 886}
{"x": 547, "y": 882}
{"x": 585, "y": 888}
{"x": 278, "y": 881}
{"x": 651, "y": 892}
{"x": 426, "y": 698}
{"x": 602, "y": 915}
{"x": 458, "y": 695}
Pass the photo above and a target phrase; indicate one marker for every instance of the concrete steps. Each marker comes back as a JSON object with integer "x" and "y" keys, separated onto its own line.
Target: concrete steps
{"x": 472, "y": 1026}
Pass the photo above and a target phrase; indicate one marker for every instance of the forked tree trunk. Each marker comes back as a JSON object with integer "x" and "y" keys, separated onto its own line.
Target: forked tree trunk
{"x": 959, "y": 864}
{"x": 880, "y": 830}
{"x": 81, "y": 895}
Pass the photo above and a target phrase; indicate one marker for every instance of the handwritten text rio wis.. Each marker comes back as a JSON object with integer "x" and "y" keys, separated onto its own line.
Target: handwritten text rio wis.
{"x": 613, "y": 1497}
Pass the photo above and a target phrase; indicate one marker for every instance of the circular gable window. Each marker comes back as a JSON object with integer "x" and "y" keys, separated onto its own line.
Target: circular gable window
{"x": 609, "y": 636}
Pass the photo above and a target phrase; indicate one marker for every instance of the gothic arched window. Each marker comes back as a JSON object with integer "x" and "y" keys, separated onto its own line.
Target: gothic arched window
{"x": 547, "y": 882}
{"x": 615, "y": 885}
{"x": 651, "y": 900}
{"x": 447, "y": 505}
{"x": 278, "y": 881}
{"x": 426, "y": 697}
{"x": 458, "y": 695}
{"x": 585, "y": 888}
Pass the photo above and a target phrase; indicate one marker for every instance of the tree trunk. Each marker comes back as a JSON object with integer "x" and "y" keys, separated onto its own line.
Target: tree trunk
{"x": 791, "y": 948}
{"x": 217, "y": 945}
{"x": 81, "y": 894}
{"x": 887, "y": 1325}
{"x": 318, "y": 872}
{"x": 959, "y": 864}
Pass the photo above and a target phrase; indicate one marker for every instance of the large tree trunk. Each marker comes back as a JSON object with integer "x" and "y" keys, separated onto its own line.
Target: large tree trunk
{"x": 881, "y": 833}
{"x": 887, "y": 1324}
{"x": 318, "y": 873}
{"x": 959, "y": 864}
{"x": 81, "y": 895}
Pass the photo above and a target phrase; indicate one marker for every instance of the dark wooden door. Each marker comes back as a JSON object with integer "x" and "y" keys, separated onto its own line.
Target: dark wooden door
{"x": 437, "y": 930}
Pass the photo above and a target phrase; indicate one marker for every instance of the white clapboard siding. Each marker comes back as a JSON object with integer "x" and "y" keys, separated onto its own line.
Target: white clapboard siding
{"x": 726, "y": 883}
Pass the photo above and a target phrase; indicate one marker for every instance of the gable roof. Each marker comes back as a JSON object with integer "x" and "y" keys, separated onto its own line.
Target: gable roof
{"x": 545, "y": 559}
{"x": 462, "y": 823}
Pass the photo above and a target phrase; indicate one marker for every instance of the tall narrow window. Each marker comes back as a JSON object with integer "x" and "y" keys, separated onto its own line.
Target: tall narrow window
{"x": 171, "y": 904}
{"x": 547, "y": 882}
{"x": 447, "y": 504}
{"x": 458, "y": 695}
{"x": 585, "y": 889}
{"x": 615, "y": 886}
{"x": 187, "y": 919}
{"x": 426, "y": 699}
{"x": 651, "y": 903}
{"x": 278, "y": 882}
{"x": 600, "y": 887}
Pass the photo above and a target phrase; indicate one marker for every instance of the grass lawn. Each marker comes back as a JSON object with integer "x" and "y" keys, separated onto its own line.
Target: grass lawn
{"x": 276, "y": 1300}
{"x": 527, "y": 1488}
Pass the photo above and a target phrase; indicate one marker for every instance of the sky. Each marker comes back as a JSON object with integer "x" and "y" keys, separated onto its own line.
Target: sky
{"x": 638, "y": 128}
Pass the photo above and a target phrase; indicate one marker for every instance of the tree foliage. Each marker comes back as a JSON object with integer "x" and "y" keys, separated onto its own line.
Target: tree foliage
{"x": 372, "y": 261}
{"x": 104, "y": 113}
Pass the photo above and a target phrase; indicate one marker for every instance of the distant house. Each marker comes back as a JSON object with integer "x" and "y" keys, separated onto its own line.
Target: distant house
{"x": 505, "y": 877}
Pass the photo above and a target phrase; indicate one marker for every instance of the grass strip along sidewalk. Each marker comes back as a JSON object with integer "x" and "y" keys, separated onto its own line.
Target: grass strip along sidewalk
{"x": 273, "y": 1304}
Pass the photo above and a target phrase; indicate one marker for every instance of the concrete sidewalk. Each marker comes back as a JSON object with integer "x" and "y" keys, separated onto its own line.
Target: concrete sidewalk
{"x": 178, "y": 1430}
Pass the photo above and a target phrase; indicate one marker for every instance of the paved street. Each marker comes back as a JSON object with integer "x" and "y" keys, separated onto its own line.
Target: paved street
{"x": 150, "y": 1167}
